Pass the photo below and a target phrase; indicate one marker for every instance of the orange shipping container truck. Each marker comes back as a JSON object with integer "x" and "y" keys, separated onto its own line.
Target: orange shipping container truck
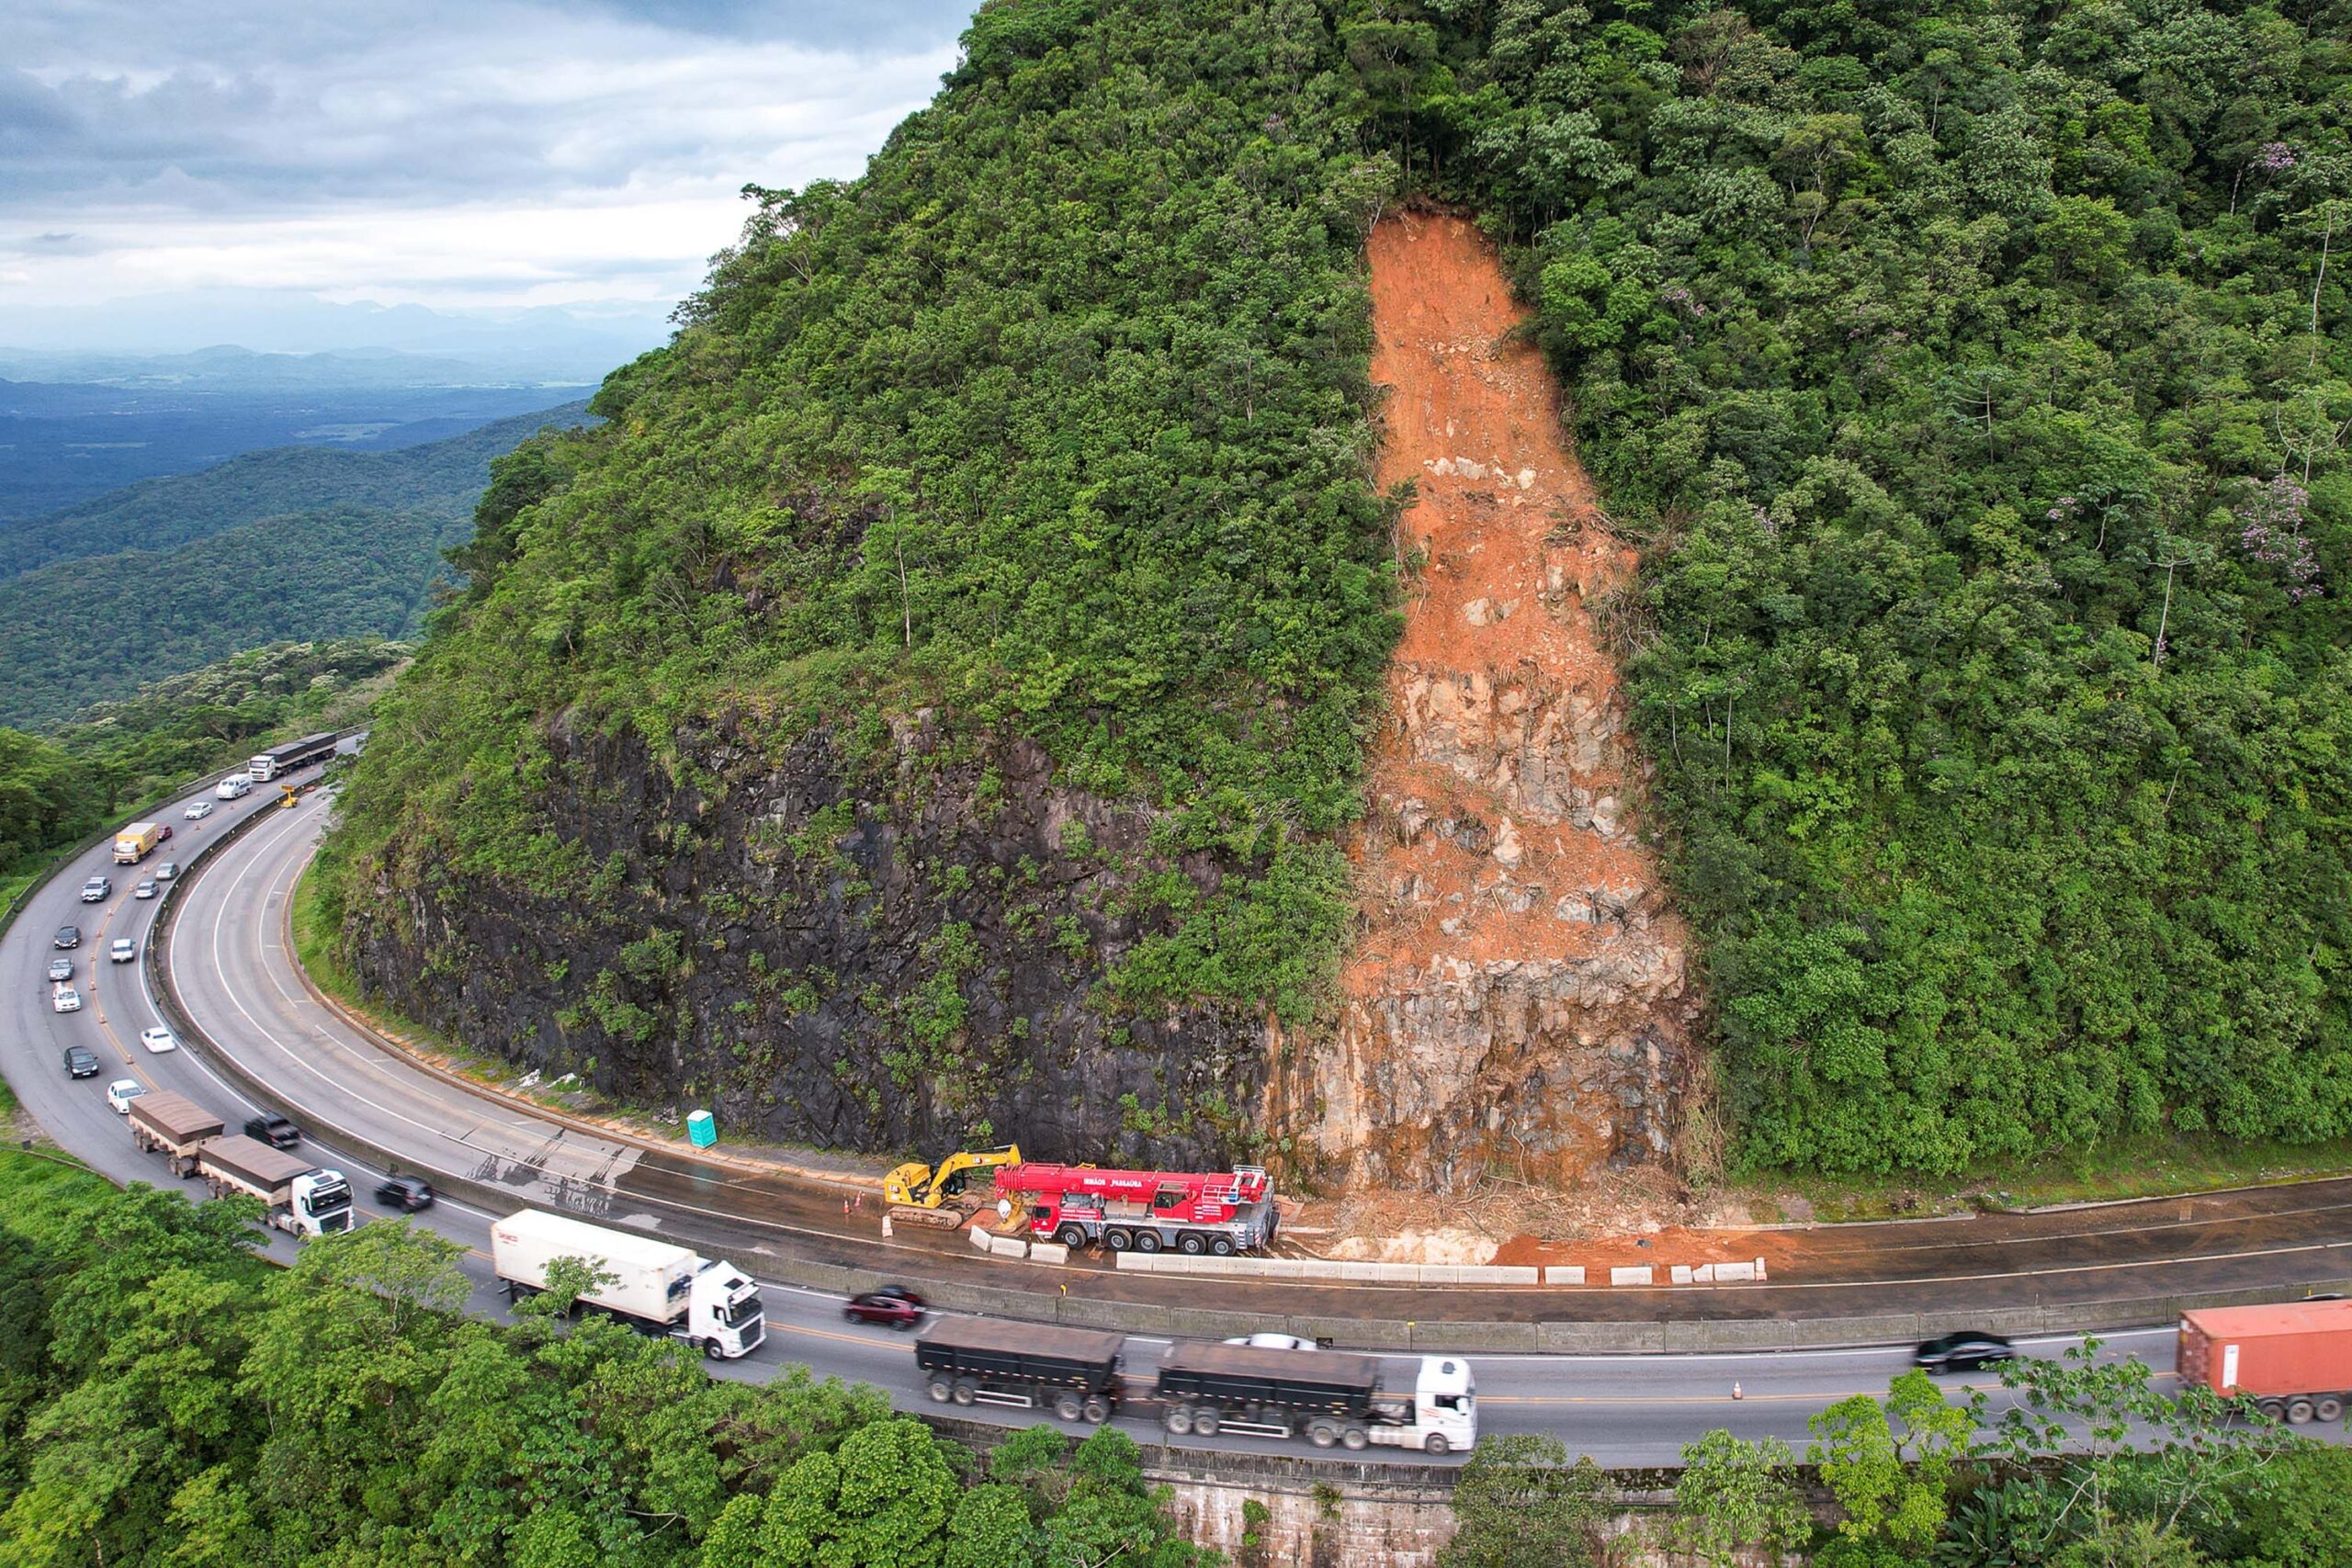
{"x": 2294, "y": 1358}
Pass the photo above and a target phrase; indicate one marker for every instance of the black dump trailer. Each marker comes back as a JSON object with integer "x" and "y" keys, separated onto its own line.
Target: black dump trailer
{"x": 1269, "y": 1394}
{"x": 1073, "y": 1371}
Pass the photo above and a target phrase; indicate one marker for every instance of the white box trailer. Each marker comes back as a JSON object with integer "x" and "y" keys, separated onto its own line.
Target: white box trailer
{"x": 658, "y": 1284}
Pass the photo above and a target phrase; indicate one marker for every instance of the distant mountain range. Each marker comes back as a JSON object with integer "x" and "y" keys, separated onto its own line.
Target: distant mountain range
{"x": 294, "y": 543}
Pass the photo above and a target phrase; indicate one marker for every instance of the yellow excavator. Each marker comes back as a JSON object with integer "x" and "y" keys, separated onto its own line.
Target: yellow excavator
{"x": 919, "y": 1195}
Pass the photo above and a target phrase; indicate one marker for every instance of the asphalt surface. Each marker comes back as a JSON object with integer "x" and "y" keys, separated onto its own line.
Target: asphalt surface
{"x": 233, "y": 975}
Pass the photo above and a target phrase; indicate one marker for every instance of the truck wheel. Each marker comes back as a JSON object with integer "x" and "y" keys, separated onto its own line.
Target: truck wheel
{"x": 1322, "y": 1433}
{"x": 1118, "y": 1240}
{"x": 2329, "y": 1407}
{"x": 939, "y": 1390}
{"x": 1179, "y": 1419}
{"x": 2271, "y": 1409}
{"x": 1221, "y": 1246}
{"x": 1190, "y": 1243}
{"x": 710, "y": 1350}
{"x": 1069, "y": 1406}
{"x": 1071, "y": 1236}
{"x": 965, "y": 1390}
{"x": 1355, "y": 1437}
{"x": 2299, "y": 1412}
{"x": 1147, "y": 1241}
{"x": 1204, "y": 1421}
{"x": 1437, "y": 1444}
{"x": 1098, "y": 1409}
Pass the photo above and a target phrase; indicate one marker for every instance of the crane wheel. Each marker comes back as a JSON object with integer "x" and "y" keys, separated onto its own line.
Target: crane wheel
{"x": 1192, "y": 1244}
{"x": 1221, "y": 1246}
{"x": 1071, "y": 1236}
{"x": 1147, "y": 1241}
{"x": 1118, "y": 1240}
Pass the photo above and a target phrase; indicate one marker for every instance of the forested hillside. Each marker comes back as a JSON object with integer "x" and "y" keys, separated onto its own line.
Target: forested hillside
{"x": 1974, "y": 378}
{"x": 442, "y": 478}
{"x": 86, "y": 631}
{"x": 1977, "y": 379}
{"x": 167, "y": 1397}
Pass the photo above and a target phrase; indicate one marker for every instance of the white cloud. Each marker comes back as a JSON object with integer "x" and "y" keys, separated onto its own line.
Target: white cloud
{"x": 451, "y": 154}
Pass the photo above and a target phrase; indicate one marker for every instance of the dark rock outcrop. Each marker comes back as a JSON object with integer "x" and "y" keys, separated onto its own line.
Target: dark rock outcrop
{"x": 903, "y": 955}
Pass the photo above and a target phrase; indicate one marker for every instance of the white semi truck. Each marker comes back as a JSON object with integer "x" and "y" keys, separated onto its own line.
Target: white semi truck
{"x": 706, "y": 1301}
{"x": 303, "y": 1199}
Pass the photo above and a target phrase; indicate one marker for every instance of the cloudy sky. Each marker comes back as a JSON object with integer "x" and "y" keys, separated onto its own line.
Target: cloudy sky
{"x": 458, "y": 154}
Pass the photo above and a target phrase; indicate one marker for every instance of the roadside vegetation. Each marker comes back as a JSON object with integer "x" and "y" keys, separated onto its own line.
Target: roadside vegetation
{"x": 168, "y": 1398}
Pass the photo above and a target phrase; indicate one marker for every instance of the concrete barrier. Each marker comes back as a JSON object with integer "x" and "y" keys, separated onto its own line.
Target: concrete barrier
{"x": 1049, "y": 1252}
{"x": 1639, "y": 1274}
{"x": 1326, "y": 1269}
{"x": 1564, "y": 1274}
{"x": 978, "y": 1238}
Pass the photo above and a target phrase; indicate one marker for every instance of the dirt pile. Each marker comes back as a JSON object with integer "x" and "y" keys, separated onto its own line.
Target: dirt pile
{"x": 1520, "y": 1000}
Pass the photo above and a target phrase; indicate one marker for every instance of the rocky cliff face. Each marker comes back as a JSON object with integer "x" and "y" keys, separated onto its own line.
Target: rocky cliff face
{"x": 900, "y": 956}
{"x": 1521, "y": 997}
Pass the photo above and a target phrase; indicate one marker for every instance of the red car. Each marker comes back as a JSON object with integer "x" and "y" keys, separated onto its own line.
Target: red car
{"x": 892, "y": 1304}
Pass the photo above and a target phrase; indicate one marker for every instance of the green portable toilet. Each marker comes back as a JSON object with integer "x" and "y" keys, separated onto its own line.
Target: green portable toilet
{"x": 701, "y": 1131}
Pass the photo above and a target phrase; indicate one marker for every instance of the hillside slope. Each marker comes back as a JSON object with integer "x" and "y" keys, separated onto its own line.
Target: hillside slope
{"x": 442, "y": 478}
{"x": 95, "y": 629}
{"x": 921, "y": 711}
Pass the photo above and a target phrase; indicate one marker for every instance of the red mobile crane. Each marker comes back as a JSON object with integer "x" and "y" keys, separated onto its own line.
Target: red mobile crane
{"x": 1189, "y": 1211}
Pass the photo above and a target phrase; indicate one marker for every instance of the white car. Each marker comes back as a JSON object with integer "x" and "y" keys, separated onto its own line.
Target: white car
{"x": 198, "y": 811}
{"x": 158, "y": 1040}
{"x": 67, "y": 1000}
{"x": 146, "y": 888}
{"x": 1275, "y": 1342}
{"x": 123, "y": 950}
{"x": 96, "y": 889}
{"x": 122, "y": 1092}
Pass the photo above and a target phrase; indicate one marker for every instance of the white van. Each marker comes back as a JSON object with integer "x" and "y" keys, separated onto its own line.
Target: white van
{"x": 235, "y": 787}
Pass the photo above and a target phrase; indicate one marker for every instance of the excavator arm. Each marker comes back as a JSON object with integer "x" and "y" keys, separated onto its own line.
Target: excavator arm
{"x": 915, "y": 1191}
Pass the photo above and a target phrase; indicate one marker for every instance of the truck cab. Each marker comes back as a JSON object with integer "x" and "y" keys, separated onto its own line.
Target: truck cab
{"x": 321, "y": 1204}
{"x": 1444, "y": 1414}
{"x": 723, "y": 1313}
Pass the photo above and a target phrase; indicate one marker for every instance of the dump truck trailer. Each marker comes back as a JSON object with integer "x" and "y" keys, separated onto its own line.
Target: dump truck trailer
{"x": 1029, "y": 1366}
{"x": 174, "y": 1126}
{"x": 264, "y": 766}
{"x": 658, "y": 1285}
{"x": 302, "y": 1198}
{"x": 2293, "y": 1358}
{"x": 1326, "y": 1396}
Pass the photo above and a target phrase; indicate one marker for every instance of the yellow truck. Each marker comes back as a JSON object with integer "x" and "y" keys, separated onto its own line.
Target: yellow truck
{"x": 131, "y": 845}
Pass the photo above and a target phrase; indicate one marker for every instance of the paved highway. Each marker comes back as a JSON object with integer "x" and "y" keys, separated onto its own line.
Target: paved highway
{"x": 235, "y": 976}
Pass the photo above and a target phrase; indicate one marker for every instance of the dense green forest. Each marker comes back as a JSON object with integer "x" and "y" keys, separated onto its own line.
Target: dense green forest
{"x": 88, "y": 630}
{"x": 443, "y": 479}
{"x": 169, "y": 1400}
{"x": 1976, "y": 379}
{"x": 1973, "y": 377}
{"x": 57, "y": 789}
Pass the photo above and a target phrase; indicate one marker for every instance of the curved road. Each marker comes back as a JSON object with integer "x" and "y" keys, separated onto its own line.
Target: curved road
{"x": 235, "y": 978}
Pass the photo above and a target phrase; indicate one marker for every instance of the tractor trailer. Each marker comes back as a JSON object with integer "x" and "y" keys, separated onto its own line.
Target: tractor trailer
{"x": 657, "y": 1285}
{"x": 264, "y": 766}
{"x": 303, "y": 1199}
{"x": 1029, "y": 1366}
{"x": 300, "y": 1199}
{"x": 1326, "y": 1396}
{"x": 2293, "y": 1358}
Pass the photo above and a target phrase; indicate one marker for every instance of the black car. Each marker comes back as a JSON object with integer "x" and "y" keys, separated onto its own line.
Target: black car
{"x": 80, "y": 1063}
{"x": 892, "y": 1304}
{"x": 67, "y": 936}
{"x": 1963, "y": 1352}
{"x": 407, "y": 1193}
{"x": 274, "y": 1130}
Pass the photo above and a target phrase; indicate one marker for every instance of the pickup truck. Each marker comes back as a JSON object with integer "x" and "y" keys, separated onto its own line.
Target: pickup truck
{"x": 274, "y": 1130}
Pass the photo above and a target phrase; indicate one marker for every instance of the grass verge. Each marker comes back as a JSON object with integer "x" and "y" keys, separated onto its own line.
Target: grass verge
{"x": 47, "y": 1201}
